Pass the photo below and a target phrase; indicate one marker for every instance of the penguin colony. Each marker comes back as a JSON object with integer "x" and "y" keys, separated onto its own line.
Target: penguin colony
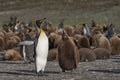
{"x": 68, "y": 45}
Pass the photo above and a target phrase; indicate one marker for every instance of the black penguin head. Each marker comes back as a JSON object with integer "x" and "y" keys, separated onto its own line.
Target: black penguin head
{"x": 39, "y": 22}
{"x": 84, "y": 24}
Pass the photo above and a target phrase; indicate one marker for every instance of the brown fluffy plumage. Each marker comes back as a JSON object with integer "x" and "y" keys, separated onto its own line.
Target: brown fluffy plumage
{"x": 100, "y": 41}
{"x": 82, "y": 41}
{"x": 68, "y": 56}
{"x": 52, "y": 54}
{"x": 12, "y": 55}
{"x": 69, "y": 30}
{"x": 2, "y": 43}
{"x": 86, "y": 54}
{"x": 54, "y": 40}
{"x": 115, "y": 45}
{"x": 102, "y": 53}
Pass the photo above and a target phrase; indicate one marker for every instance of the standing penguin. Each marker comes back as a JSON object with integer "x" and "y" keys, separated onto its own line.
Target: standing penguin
{"x": 68, "y": 56}
{"x": 41, "y": 51}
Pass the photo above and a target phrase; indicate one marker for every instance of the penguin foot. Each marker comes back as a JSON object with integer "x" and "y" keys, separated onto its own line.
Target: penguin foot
{"x": 63, "y": 70}
{"x": 72, "y": 71}
{"x": 27, "y": 62}
{"x": 40, "y": 73}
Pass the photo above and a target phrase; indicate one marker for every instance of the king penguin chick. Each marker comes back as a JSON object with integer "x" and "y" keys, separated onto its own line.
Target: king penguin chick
{"x": 41, "y": 51}
{"x": 68, "y": 55}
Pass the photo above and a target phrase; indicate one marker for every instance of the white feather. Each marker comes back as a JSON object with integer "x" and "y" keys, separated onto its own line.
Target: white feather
{"x": 41, "y": 52}
{"x": 26, "y": 43}
{"x": 24, "y": 54}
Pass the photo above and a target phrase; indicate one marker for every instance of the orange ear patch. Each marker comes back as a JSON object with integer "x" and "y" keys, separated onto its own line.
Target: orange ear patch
{"x": 28, "y": 30}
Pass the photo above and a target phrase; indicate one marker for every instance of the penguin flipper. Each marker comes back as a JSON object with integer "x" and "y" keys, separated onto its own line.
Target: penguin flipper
{"x": 35, "y": 44}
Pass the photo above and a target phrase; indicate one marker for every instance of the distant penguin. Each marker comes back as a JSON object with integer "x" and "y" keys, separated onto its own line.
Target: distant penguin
{"x": 23, "y": 45}
{"x": 41, "y": 52}
{"x": 68, "y": 56}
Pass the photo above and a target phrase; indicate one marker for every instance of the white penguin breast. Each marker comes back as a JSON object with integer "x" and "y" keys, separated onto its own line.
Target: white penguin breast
{"x": 41, "y": 52}
{"x": 42, "y": 47}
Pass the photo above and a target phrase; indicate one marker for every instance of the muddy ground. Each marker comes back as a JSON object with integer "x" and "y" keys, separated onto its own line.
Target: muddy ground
{"x": 98, "y": 70}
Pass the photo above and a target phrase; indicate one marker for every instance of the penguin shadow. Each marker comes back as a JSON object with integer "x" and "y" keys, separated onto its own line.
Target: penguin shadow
{"x": 26, "y": 71}
{"x": 112, "y": 71}
{"x": 31, "y": 71}
{"x": 61, "y": 73}
{"x": 70, "y": 73}
{"x": 46, "y": 73}
{"x": 117, "y": 61}
{"x": 115, "y": 57}
{"x": 16, "y": 73}
{"x": 52, "y": 72}
{"x": 10, "y": 62}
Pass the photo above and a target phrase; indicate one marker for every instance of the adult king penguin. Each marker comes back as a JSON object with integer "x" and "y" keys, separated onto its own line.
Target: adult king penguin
{"x": 41, "y": 49}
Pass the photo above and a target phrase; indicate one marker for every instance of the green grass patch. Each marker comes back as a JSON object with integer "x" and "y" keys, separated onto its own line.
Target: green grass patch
{"x": 74, "y": 12}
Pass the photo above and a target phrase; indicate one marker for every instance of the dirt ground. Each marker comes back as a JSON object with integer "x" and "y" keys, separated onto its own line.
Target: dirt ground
{"x": 98, "y": 70}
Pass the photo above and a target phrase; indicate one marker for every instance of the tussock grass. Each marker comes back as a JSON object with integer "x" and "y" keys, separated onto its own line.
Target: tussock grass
{"x": 75, "y": 12}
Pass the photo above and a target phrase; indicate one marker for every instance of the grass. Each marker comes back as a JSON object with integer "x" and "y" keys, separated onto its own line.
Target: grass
{"x": 75, "y": 13}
